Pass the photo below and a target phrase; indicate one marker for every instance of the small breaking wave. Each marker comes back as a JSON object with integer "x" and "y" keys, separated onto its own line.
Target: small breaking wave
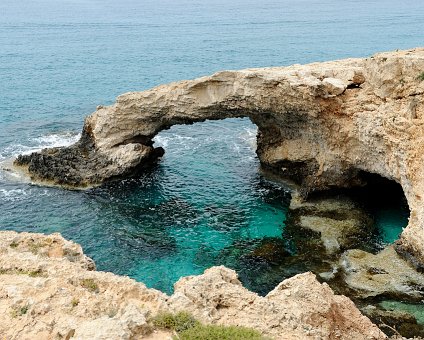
{"x": 13, "y": 195}
{"x": 55, "y": 140}
{"x": 38, "y": 143}
{"x": 174, "y": 139}
{"x": 248, "y": 135}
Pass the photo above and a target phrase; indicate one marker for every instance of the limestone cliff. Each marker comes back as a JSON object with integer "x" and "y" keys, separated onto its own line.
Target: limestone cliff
{"x": 320, "y": 124}
{"x": 49, "y": 290}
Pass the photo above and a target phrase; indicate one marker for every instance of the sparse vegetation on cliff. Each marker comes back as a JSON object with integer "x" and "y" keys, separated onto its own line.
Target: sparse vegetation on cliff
{"x": 19, "y": 271}
{"x": 214, "y": 332}
{"x": 178, "y": 322}
{"x": 90, "y": 284}
{"x": 188, "y": 328}
{"x": 19, "y": 311}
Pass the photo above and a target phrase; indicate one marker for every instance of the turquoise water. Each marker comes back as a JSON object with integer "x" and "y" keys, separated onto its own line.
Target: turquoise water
{"x": 60, "y": 59}
{"x": 416, "y": 310}
{"x": 390, "y": 222}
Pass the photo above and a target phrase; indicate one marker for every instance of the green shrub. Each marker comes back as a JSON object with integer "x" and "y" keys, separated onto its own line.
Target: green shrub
{"x": 177, "y": 322}
{"x": 75, "y": 302}
{"x": 35, "y": 247}
{"x": 90, "y": 284}
{"x": 13, "y": 244}
{"x": 19, "y": 311}
{"x": 188, "y": 328}
{"x": 214, "y": 332}
{"x": 421, "y": 76}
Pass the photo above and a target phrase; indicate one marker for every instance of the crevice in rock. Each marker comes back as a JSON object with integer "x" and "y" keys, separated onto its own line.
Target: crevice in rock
{"x": 138, "y": 139}
{"x": 353, "y": 86}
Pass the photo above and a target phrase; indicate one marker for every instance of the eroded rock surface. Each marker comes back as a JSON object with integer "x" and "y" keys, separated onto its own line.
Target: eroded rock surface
{"x": 338, "y": 222}
{"x": 48, "y": 290}
{"x": 298, "y": 308}
{"x": 318, "y": 124}
{"x": 392, "y": 284}
{"x": 385, "y": 273}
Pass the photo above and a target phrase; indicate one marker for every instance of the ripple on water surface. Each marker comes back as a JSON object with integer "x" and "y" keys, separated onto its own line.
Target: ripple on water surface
{"x": 205, "y": 204}
{"x": 172, "y": 221}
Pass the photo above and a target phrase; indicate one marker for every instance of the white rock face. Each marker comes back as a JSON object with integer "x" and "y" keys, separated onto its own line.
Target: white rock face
{"x": 47, "y": 294}
{"x": 334, "y": 86}
{"x": 384, "y": 273}
{"x": 319, "y": 123}
{"x": 298, "y": 308}
{"x": 48, "y": 290}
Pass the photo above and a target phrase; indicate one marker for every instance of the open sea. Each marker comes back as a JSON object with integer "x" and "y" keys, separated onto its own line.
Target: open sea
{"x": 60, "y": 59}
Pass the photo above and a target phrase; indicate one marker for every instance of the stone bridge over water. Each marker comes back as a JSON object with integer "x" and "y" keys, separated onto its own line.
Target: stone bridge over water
{"x": 320, "y": 124}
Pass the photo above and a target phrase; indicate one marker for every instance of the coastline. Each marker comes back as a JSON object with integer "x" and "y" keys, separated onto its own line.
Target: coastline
{"x": 48, "y": 278}
{"x": 324, "y": 126}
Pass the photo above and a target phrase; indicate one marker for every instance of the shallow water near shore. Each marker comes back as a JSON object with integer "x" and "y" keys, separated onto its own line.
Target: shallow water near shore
{"x": 206, "y": 203}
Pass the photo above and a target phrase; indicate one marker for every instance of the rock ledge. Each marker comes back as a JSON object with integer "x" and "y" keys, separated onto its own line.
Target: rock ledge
{"x": 49, "y": 290}
{"x": 320, "y": 124}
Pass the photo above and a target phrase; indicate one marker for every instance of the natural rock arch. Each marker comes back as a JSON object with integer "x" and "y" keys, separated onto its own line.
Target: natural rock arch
{"x": 319, "y": 124}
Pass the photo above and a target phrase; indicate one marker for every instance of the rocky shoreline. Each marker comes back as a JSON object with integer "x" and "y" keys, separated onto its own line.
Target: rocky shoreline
{"x": 49, "y": 289}
{"x": 323, "y": 126}
{"x": 320, "y": 124}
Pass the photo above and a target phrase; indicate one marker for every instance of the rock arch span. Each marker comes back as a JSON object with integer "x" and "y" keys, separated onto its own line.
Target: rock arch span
{"x": 319, "y": 124}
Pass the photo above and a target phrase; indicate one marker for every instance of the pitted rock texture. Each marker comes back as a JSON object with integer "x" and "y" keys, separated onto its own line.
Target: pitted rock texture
{"x": 48, "y": 290}
{"x": 382, "y": 274}
{"x": 339, "y": 222}
{"x": 298, "y": 308}
{"x": 319, "y": 124}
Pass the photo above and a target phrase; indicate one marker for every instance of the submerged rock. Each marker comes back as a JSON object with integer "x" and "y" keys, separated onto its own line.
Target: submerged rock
{"x": 385, "y": 273}
{"x": 394, "y": 322}
{"x": 272, "y": 250}
{"x": 415, "y": 309}
{"x": 334, "y": 223}
{"x": 50, "y": 291}
{"x": 261, "y": 264}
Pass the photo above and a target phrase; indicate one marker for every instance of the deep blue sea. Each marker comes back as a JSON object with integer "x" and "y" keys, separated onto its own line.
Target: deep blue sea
{"x": 60, "y": 59}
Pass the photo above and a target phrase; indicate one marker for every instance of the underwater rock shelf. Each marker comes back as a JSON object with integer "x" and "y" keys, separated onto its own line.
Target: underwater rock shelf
{"x": 319, "y": 124}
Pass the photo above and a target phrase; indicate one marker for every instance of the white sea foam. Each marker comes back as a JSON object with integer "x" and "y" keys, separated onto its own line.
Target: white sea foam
{"x": 13, "y": 195}
{"x": 10, "y": 194}
{"x": 8, "y": 153}
{"x": 55, "y": 140}
{"x": 174, "y": 139}
{"x": 249, "y": 136}
{"x": 38, "y": 143}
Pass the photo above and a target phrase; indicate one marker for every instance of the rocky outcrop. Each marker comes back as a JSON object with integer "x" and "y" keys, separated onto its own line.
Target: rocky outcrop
{"x": 48, "y": 290}
{"x": 320, "y": 124}
{"x": 337, "y": 221}
{"x": 383, "y": 274}
{"x": 402, "y": 322}
{"x": 298, "y": 308}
